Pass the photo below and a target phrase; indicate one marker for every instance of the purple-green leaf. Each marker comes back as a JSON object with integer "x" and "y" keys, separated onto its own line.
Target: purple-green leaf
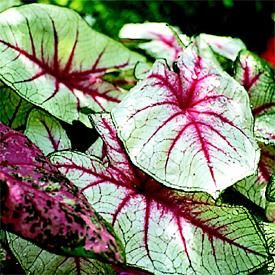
{"x": 41, "y": 205}
{"x": 193, "y": 128}
{"x": 164, "y": 231}
{"x": 60, "y": 67}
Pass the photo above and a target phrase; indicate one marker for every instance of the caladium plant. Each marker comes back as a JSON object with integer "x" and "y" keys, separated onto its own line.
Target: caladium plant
{"x": 189, "y": 229}
{"x": 150, "y": 193}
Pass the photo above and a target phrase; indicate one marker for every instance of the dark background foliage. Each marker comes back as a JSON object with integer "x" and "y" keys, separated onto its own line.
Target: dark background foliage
{"x": 250, "y": 20}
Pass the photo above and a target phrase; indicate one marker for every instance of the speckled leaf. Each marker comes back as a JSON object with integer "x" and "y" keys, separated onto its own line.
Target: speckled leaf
{"x": 254, "y": 187}
{"x": 14, "y": 110}
{"x": 162, "y": 44}
{"x": 57, "y": 66}
{"x": 225, "y": 46}
{"x": 46, "y": 132}
{"x": 41, "y": 205}
{"x": 164, "y": 231}
{"x": 192, "y": 130}
{"x": 37, "y": 261}
{"x": 258, "y": 79}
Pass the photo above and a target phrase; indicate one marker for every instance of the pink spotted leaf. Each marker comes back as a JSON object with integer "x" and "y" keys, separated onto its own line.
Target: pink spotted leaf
{"x": 41, "y": 205}
{"x": 193, "y": 128}
{"x": 164, "y": 231}
{"x": 60, "y": 67}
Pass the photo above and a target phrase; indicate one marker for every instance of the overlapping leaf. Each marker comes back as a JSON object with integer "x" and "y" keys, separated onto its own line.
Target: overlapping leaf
{"x": 46, "y": 132}
{"x": 13, "y": 109}
{"x": 225, "y": 46}
{"x": 258, "y": 79}
{"x": 163, "y": 42}
{"x": 57, "y": 66}
{"x": 168, "y": 42}
{"x": 254, "y": 187}
{"x": 164, "y": 231}
{"x": 37, "y": 261}
{"x": 192, "y": 130}
{"x": 41, "y": 205}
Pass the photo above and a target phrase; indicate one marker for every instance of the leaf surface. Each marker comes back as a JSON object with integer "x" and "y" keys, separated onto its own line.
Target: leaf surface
{"x": 41, "y": 205}
{"x": 254, "y": 187}
{"x": 270, "y": 195}
{"x": 57, "y": 66}
{"x": 258, "y": 79}
{"x": 225, "y": 46}
{"x": 14, "y": 110}
{"x": 46, "y": 132}
{"x": 9, "y": 3}
{"x": 163, "y": 42}
{"x": 37, "y": 261}
{"x": 192, "y": 130}
{"x": 164, "y": 231}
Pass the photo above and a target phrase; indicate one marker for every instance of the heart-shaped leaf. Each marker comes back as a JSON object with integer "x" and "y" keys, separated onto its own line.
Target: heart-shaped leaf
{"x": 46, "y": 132}
{"x": 41, "y": 205}
{"x": 14, "y": 109}
{"x": 164, "y": 231}
{"x": 57, "y": 66}
{"x": 192, "y": 130}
